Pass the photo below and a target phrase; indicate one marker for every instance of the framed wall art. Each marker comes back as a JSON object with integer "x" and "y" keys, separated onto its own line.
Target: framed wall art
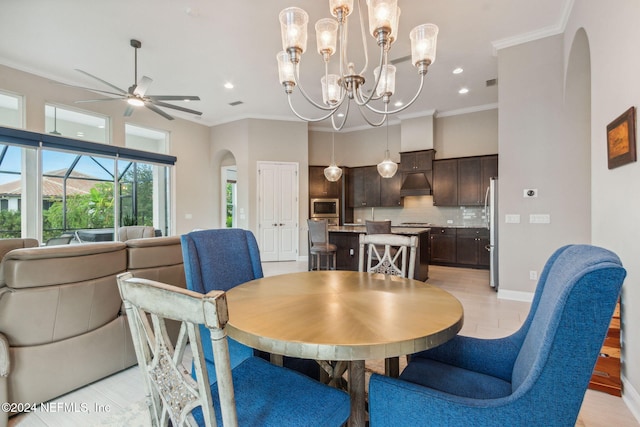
{"x": 621, "y": 139}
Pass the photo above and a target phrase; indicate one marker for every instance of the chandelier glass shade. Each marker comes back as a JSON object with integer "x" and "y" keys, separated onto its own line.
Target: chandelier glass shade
{"x": 345, "y": 84}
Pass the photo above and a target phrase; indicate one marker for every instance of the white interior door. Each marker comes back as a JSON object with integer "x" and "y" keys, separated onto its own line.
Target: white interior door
{"x": 278, "y": 211}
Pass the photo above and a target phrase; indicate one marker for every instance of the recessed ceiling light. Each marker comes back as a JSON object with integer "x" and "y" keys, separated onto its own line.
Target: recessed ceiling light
{"x": 398, "y": 104}
{"x": 80, "y": 134}
{"x": 458, "y": 71}
{"x": 340, "y": 114}
{"x": 463, "y": 91}
{"x": 228, "y": 85}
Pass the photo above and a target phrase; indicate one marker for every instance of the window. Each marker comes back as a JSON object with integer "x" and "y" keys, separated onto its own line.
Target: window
{"x": 11, "y": 184}
{"x": 85, "y": 187}
{"x": 11, "y": 110}
{"x": 63, "y": 121}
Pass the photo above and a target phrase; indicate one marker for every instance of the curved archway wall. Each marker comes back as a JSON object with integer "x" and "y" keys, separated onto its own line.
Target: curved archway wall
{"x": 544, "y": 145}
{"x": 613, "y": 33}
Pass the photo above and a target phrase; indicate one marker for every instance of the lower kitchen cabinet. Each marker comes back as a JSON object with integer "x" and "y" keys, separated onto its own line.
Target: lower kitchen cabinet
{"x": 461, "y": 247}
{"x": 443, "y": 245}
{"x": 471, "y": 247}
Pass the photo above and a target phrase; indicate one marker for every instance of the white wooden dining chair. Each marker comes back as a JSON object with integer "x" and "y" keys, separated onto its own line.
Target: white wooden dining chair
{"x": 387, "y": 254}
{"x": 254, "y": 393}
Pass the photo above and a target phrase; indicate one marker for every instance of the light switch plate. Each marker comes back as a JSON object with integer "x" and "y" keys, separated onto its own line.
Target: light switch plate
{"x": 512, "y": 219}
{"x": 539, "y": 219}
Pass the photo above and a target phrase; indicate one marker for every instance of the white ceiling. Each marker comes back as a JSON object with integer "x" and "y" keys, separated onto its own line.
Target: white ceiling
{"x": 192, "y": 47}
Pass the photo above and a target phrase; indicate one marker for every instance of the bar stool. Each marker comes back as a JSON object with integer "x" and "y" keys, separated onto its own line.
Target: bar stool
{"x": 319, "y": 245}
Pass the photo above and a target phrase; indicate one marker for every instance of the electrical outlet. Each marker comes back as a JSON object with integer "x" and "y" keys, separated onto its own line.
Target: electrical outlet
{"x": 530, "y": 192}
{"x": 533, "y": 275}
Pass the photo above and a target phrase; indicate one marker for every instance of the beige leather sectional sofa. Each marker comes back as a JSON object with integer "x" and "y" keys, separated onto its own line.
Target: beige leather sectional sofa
{"x": 62, "y": 325}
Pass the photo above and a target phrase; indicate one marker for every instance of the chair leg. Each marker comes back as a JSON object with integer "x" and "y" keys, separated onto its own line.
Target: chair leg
{"x": 335, "y": 267}
{"x": 392, "y": 367}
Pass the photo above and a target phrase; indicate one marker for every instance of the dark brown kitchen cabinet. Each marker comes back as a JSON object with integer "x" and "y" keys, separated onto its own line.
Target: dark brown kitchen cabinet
{"x": 445, "y": 182}
{"x": 414, "y": 161}
{"x": 473, "y": 179}
{"x": 471, "y": 246}
{"x": 463, "y": 181}
{"x": 390, "y": 191}
{"x": 364, "y": 187}
{"x": 320, "y": 186}
{"x": 443, "y": 245}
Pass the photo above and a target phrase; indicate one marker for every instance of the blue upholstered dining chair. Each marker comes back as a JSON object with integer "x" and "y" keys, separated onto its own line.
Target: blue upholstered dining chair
{"x": 220, "y": 259}
{"x": 253, "y": 393}
{"x": 535, "y": 377}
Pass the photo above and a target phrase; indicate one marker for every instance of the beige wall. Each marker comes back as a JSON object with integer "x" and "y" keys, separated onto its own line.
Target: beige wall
{"x": 250, "y": 141}
{"x": 471, "y": 134}
{"x": 191, "y": 176}
{"x": 614, "y": 201}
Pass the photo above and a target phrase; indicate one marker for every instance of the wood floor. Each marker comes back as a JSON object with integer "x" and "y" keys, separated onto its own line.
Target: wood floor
{"x": 111, "y": 401}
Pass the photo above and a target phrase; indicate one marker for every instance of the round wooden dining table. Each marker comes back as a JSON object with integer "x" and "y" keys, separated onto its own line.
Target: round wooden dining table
{"x": 342, "y": 316}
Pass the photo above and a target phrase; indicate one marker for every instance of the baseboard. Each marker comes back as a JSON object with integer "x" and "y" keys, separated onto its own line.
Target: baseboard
{"x": 515, "y": 295}
{"x": 631, "y": 398}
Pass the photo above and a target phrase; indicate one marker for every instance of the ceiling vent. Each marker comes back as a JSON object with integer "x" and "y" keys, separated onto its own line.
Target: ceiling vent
{"x": 233, "y": 104}
{"x": 492, "y": 82}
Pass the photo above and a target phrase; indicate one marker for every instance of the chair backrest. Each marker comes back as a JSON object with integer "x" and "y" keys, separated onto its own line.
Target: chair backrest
{"x": 60, "y": 240}
{"x": 378, "y": 227}
{"x": 388, "y": 262}
{"x": 135, "y": 232}
{"x": 7, "y": 245}
{"x": 220, "y": 259}
{"x": 569, "y": 320}
{"x": 174, "y": 392}
{"x": 318, "y": 231}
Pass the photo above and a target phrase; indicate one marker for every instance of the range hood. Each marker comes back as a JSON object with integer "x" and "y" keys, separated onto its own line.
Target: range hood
{"x": 415, "y": 184}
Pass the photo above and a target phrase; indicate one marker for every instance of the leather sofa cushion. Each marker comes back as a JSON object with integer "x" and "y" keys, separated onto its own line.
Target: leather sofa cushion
{"x": 54, "y": 265}
{"x": 153, "y": 252}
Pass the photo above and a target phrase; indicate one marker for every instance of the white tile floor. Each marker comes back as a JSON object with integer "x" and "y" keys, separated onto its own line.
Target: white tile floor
{"x": 108, "y": 402}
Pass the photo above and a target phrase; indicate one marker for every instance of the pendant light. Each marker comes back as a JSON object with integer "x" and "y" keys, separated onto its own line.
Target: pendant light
{"x": 55, "y": 122}
{"x": 333, "y": 172}
{"x": 387, "y": 168}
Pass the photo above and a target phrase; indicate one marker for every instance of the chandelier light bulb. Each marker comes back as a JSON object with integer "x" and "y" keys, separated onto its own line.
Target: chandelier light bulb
{"x": 382, "y": 14}
{"x": 326, "y": 36}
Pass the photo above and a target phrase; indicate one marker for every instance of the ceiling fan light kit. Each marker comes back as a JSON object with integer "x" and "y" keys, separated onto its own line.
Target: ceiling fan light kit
{"x": 348, "y": 85}
{"x": 136, "y": 95}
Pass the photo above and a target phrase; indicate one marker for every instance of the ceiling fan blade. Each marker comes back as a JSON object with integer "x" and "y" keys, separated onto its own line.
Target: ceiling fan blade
{"x": 122, "y": 92}
{"x": 176, "y": 107}
{"x": 142, "y": 86}
{"x": 157, "y": 110}
{"x": 91, "y": 89}
{"x": 129, "y": 111}
{"x": 173, "y": 98}
{"x": 98, "y": 100}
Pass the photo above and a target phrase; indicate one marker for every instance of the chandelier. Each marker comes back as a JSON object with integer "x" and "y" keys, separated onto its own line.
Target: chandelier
{"x": 348, "y": 85}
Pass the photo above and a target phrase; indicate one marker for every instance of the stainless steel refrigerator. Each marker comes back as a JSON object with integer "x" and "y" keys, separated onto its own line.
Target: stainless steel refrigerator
{"x": 491, "y": 215}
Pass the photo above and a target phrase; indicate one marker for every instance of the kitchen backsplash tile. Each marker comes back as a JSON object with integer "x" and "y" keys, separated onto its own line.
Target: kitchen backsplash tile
{"x": 421, "y": 209}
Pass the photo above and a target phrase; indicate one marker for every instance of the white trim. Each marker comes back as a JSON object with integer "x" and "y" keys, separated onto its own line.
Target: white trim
{"x": 631, "y": 398}
{"x": 515, "y": 295}
{"x": 425, "y": 113}
{"x": 467, "y": 110}
{"x": 551, "y": 30}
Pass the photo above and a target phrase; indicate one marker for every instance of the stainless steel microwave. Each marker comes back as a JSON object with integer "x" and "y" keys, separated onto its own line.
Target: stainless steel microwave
{"x": 325, "y": 208}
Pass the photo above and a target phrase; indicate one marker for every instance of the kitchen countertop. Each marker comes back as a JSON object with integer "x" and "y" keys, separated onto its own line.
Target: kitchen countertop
{"x": 363, "y": 229}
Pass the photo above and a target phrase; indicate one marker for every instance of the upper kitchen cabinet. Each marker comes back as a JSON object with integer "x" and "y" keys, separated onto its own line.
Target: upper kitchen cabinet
{"x": 390, "y": 191}
{"x": 414, "y": 161}
{"x": 321, "y": 187}
{"x": 364, "y": 187}
{"x": 445, "y": 182}
{"x": 463, "y": 181}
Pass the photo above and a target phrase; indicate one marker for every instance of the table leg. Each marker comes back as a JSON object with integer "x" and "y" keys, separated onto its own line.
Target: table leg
{"x": 356, "y": 391}
{"x": 276, "y": 359}
{"x": 392, "y": 367}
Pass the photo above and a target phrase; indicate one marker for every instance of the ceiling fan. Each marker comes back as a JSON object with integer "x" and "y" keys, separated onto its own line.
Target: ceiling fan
{"x": 136, "y": 95}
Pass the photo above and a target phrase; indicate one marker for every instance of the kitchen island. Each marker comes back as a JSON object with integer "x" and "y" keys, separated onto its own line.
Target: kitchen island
{"x": 346, "y": 238}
